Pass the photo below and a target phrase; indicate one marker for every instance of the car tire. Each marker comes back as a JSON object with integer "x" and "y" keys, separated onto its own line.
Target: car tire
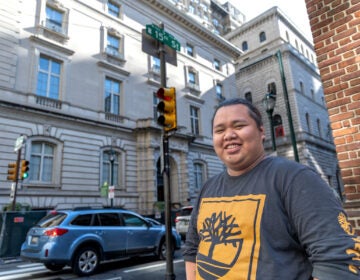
{"x": 54, "y": 267}
{"x": 86, "y": 261}
{"x": 162, "y": 249}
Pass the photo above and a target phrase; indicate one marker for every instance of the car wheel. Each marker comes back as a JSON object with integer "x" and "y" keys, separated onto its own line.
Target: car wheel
{"x": 86, "y": 261}
{"x": 54, "y": 267}
{"x": 162, "y": 250}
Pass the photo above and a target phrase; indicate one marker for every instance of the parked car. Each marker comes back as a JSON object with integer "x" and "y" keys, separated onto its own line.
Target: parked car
{"x": 182, "y": 221}
{"x": 82, "y": 239}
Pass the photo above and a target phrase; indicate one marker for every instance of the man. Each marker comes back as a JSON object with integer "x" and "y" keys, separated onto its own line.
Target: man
{"x": 265, "y": 217}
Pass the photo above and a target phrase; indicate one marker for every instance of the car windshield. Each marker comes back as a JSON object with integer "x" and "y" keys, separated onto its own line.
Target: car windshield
{"x": 51, "y": 220}
{"x": 185, "y": 212}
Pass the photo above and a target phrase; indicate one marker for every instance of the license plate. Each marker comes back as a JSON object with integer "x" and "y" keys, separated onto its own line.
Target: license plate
{"x": 34, "y": 240}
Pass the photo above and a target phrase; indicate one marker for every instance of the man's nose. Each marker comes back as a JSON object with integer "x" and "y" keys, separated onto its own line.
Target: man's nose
{"x": 229, "y": 134}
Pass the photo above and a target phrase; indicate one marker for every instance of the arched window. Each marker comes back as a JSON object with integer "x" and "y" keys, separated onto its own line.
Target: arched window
{"x": 262, "y": 36}
{"x": 111, "y": 168}
{"x": 248, "y": 96}
{"x": 319, "y": 127}
{"x": 244, "y": 46}
{"x": 308, "y": 124}
{"x": 302, "y": 91}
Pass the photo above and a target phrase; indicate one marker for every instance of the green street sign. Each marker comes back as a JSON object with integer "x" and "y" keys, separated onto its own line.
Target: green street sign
{"x": 162, "y": 36}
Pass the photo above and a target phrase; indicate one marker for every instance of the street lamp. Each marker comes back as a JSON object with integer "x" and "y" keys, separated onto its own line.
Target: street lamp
{"x": 269, "y": 104}
{"x": 112, "y": 159}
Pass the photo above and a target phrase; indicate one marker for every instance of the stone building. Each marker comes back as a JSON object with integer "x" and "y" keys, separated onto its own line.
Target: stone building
{"x": 278, "y": 59}
{"x": 76, "y": 83}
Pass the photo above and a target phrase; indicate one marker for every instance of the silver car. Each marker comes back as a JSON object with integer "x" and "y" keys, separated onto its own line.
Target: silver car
{"x": 182, "y": 221}
{"x": 82, "y": 239}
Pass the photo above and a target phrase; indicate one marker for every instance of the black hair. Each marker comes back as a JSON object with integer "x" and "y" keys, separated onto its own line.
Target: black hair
{"x": 253, "y": 111}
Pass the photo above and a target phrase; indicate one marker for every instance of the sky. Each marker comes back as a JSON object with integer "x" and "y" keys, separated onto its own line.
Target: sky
{"x": 295, "y": 10}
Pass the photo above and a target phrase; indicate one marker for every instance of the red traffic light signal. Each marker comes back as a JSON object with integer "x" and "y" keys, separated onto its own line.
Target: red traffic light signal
{"x": 167, "y": 108}
{"x": 12, "y": 171}
{"x": 24, "y": 170}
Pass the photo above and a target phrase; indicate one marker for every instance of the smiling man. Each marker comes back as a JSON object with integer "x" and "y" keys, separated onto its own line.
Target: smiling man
{"x": 265, "y": 217}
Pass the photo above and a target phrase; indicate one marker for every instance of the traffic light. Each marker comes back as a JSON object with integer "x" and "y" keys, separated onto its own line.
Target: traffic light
{"x": 167, "y": 108}
{"x": 24, "y": 170}
{"x": 12, "y": 171}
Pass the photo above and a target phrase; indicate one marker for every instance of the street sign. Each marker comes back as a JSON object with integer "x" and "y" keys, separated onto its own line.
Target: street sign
{"x": 111, "y": 194}
{"x": 151, "y": 47}
{"x": 161, "y": 35}
{"x": 19, "y": 142}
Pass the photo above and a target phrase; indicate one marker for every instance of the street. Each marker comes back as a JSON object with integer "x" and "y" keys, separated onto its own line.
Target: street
{"x": 129, "y": 269}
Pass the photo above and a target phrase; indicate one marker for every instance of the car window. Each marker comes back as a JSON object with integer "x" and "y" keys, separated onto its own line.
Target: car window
{"x": 82, "y": 220}
{"x": 186, "y": 212}
{"x": 133, "y": 221}
{"x": 109, "y": 219}
{"x": 52, "y": 220}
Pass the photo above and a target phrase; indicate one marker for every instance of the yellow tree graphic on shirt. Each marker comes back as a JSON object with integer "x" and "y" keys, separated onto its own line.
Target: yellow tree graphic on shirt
{"x": 220, "y": 229}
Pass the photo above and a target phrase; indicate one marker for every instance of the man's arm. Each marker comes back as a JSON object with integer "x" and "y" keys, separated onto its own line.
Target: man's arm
{"x": 190, "y": 268}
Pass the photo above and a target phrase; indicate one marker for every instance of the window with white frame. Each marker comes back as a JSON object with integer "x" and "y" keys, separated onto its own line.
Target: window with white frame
{"x": 190, "y": 50}
{"x": 194, "y": 119}
{"x": 110, "y": 167}
{"x": 155, "y": 64}
{"x": 244, "y": 46}
{"x": 113, "y": 45}
{"x": 113, "y": 8}
{"x": 262, "y": 36}
{"x": 48, "y": 79}
{"x": 54, "y": 19}
{"x": 219, "y": 91}
{"x": 42, "y": 162}
{"x": 112, "y": 96}
{"x": 217, "y": 64}
{"x": 199, "y": 175}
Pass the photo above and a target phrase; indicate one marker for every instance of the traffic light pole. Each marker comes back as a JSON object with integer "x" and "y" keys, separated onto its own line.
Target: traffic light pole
{"x": 166, "y": 175}
{"x": 16, "y": 178}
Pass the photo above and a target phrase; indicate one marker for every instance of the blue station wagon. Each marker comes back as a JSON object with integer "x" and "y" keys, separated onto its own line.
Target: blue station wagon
{"x": 82, "y": 239}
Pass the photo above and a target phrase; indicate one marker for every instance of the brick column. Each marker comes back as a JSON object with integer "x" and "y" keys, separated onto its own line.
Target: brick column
{"x": 335, "y": 28}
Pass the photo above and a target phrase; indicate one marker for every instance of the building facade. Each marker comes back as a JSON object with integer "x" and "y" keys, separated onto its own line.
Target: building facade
{"x": 76, "y": 83}
{"x": 278, "y": 59}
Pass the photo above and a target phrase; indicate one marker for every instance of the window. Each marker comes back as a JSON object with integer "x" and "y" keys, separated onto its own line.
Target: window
{"x": 302, "y": 91}
{"x": 48, "y": 81}
{"x": 155, "y": 64}
{"x": 198, "y": 175}
{"x": 109, "y": 219}
{"x": 262, "y": 36}
{"x": 312, "y": 94}
{"x": 82, "y": 220}
{"x": 192, "y": 77}
{"x": 191, "y": 9}
{"x": 217, "y": 64}
{"x": 155, "y": 102}
{"x": 113, "y": 45}
{"x": 190, "y": 50}
{"x": 54, "y": 19}
{"x": 271, "y": 88}
{"x": 319, "y": 127}
{"x": 219, "y": 91}
{"x": 112, "y": 96}
{"x": 308, "y": 124}
{"x": 244, "y": 46}
{"x": 41, "y": 162}
{"x": 248, "y": 96}
{"x": 113, "y": 9}
{"x": 194, "y": 119}
{"x": 110, "y": 166}
{"x": 133, "y": 221}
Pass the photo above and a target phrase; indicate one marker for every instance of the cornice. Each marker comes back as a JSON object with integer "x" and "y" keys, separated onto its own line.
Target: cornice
{"x": 193, "y": 26}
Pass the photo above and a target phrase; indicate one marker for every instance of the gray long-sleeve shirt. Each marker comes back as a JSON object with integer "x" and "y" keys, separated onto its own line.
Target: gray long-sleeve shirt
{"x": 278, "y": 221}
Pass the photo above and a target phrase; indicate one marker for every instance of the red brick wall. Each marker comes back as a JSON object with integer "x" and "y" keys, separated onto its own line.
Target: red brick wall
{"x": 335, "y": 26}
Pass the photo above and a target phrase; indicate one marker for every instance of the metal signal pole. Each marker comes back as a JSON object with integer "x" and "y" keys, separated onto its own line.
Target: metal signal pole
{"x": 166, "y": 175}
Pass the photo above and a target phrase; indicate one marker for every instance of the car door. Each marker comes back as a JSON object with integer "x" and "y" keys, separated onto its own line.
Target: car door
{"x": 141, "y": 237}
{"x": 112, "y": 232}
